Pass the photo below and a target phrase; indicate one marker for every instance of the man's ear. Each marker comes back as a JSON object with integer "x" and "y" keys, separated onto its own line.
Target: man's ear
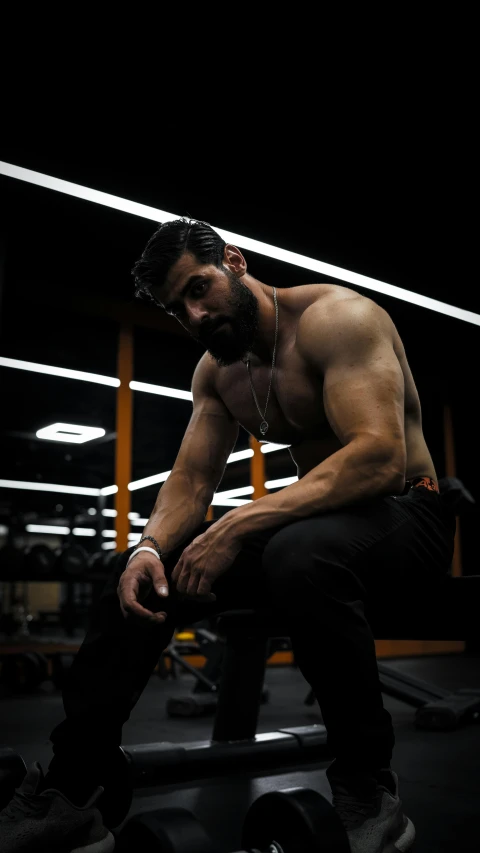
{"x": 234, "y": 260}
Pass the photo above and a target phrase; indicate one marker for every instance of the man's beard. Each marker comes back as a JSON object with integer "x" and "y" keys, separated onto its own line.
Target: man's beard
{"x": 235, "y": 339}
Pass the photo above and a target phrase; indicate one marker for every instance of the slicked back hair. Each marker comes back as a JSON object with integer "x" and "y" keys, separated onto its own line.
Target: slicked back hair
{"x": 169, "y": 242}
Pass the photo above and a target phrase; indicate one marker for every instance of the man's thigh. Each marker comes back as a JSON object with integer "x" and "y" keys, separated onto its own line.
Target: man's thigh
{"x": 384, "y": 544}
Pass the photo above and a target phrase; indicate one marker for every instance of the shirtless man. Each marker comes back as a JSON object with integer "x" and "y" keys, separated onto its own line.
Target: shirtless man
{"x": 364, "y": 521}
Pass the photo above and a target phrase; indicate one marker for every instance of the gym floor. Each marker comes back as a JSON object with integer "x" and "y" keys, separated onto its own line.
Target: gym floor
{"x": 439, "y": 772}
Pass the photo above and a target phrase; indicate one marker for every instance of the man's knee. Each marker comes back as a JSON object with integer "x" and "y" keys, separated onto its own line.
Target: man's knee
{"x": 298, "y": 556}
{"x": 285, "y": 558}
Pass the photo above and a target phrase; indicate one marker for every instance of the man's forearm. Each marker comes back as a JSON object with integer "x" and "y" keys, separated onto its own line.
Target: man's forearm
{"x": 180, "y": 508}
{"x": 356, "y": 472}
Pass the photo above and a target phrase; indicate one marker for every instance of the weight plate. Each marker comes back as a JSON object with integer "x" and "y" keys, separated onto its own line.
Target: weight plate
{"x": 295, "y": 819}
{"x": 73, "y": 561}
{"x": 103, "y": 562}
{"x": 166, "y": 831}
{"x": 95, "y": 562}
{"x": 110, "y": 560}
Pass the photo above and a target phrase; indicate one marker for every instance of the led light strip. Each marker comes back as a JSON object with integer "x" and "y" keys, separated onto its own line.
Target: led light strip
{"x": 156, "y": 215}
{"x": 160, "y": 389}
{"x": 60, "y": 531}
{"x": 49, "y": 487}
{"x": 59, "y": 371}
{"x": 65, "y": 372}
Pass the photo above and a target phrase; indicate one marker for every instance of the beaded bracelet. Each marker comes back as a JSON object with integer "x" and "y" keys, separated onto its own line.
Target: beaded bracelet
{"x": 157, "y": 546}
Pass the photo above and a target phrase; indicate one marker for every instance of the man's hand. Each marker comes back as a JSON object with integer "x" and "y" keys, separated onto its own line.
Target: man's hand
{"x": 144, "y": 572}
{"x": 204, "y": 560}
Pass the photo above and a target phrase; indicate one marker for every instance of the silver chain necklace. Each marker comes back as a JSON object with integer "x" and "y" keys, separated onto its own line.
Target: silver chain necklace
{"x": 264, "y": 424}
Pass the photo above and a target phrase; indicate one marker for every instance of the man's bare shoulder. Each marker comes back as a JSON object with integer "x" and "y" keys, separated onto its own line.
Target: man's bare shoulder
{"x": 329, "y": 302}
{"x": 339, "y": 313}
{"x": 206, "y": 365}
{"x": 206, "y": 372}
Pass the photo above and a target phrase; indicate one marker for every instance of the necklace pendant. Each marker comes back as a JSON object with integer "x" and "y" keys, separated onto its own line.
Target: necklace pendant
{"x": 263, "y": 427}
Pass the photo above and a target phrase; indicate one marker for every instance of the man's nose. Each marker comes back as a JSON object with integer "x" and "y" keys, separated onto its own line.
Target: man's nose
{"x": 197, "y": 316}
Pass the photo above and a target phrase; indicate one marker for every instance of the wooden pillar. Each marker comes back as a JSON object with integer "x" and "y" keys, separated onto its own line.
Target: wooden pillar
{"x": 451, "y": 471}
{"x": 257, "y": 470}
{"x": 123, "y": 447}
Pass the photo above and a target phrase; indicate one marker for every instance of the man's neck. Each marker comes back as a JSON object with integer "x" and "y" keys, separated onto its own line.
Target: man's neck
{"x": 262, "y": 350}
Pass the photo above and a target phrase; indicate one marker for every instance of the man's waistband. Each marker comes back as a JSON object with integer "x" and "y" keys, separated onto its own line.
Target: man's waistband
{"x": 421, "y": 483}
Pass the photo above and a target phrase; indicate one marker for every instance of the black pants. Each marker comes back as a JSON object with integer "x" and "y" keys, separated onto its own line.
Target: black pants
{"x": 320, "y": 577}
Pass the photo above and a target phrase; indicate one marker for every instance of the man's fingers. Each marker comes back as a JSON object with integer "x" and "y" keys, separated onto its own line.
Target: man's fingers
{"x": 183, "y": 581}
{"x": 204, "y": 588}
{"x": 160, "y": 582}
{"x": 192, "y": 585}
{"x": 146, "y": 573}
{"x": 135, "y": 609}
{"x": 128, "y": 595}
{"x": 195, "y": 586}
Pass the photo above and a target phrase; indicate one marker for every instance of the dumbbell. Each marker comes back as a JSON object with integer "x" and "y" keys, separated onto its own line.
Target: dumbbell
{"x": 296, "y": 820}
{"x": 12, "y": 774}
{"x": 72, "y": 561}
{"x": 102, "y": 562}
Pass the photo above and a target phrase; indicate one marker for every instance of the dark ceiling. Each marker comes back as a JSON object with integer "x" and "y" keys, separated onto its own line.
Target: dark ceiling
{"x": 67, "y": 283}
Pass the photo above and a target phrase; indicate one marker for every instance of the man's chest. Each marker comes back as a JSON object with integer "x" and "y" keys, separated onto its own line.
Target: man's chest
{"x": 295, "y": 410}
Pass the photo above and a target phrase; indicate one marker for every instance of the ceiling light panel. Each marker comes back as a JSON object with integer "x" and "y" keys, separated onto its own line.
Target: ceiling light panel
{"x": 70, "y": 433}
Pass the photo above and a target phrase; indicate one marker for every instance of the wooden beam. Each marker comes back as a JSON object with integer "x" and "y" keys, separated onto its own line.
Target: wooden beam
{"x": 257, "y": 470}
{"x": 123, "y": 447}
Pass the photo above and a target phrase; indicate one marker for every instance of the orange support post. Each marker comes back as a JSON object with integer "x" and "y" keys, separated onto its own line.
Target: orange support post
{"x": 123, "y": 448}
{"x": 257, "y": 470}
{"x": 451, "y": 471}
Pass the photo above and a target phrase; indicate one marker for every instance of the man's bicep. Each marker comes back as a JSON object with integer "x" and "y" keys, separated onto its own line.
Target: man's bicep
{"x": 351, "y": 346}
{"x": 365, "y": 397}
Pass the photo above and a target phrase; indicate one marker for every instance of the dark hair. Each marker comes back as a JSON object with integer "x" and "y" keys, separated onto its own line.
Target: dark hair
{"x": 168, "y": 244}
